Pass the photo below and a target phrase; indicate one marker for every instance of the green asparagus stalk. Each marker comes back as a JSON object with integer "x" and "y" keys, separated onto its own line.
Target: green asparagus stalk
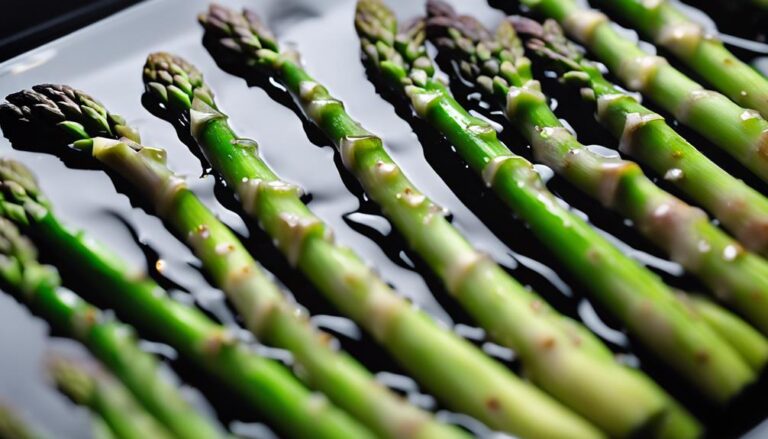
{"x": 517, "y": 317}
{"x": 265, "y": 384}
{"x": 740, "y": 132}
{"x": 748, "y": 341}
{"x": 684, "y": 232}
{"x": 112, "y": 342}
{"x": 265, "y": 310}
{"x": 435, "y": 356}
{"x": 13, "y": 427}
{"x": 100, "y": 429}
{"x": 633, "y": 294}
{"x": 644, "y": 134}
{"x": 107, "y": 398}
{"x": 701, "y": 50}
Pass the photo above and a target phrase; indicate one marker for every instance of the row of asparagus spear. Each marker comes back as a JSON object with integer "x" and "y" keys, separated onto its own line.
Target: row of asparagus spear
{"x": 576, "y": 389}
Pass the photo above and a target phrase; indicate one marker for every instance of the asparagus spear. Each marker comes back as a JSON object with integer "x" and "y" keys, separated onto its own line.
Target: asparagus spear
{"x": 742, "y": 133}
{"x": 267, "y": 314}
{"x": 741, "y": 209}
{"x": 12, "y": 426}
{"x": 110, "y": 341}
{"x": 749, "y": 342}
{"x": 632, "y": 293}
{"x": 438, "y": 358}
{"x": 265, "y": 384}
{"x": 100, "y": 429}
{"x": 106, "y": 398}
{"x": 517, "y": 317}
{"x": 738, "y": 277}
{"x": 701, "y": 50}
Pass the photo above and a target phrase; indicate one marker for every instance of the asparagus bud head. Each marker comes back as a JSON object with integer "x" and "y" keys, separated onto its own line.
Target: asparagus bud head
{"x": 495, "y": 61}
{"x": 243, "y": 33}
{"x": 19, "y": 268}
{"x": 399, "y": 54}
{"x": 73, "y": 379}
{"x": 71, "y": 114}
{"x": 12, "y": 426}
{"x": 20, "y": 194}
{"x": 175, "y": 82}
{"x": 549, "y": 43}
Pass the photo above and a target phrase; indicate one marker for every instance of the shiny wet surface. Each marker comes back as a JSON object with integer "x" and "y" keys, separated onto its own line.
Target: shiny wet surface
{"x": 105, "y": 60}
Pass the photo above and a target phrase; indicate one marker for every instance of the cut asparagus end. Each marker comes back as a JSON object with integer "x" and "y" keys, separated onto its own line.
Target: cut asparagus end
{"x": 243, "y": 33}
{"x": 175, "y": 82}
{"x": 72, "y": 115}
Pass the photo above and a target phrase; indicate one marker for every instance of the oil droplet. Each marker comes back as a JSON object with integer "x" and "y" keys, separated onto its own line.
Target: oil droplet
{"x": 203, "y": 231}
{"x": 602, "y": 151}
{"x": 674, "y": 174}
{"x": 224, "y": 248}
{"x": 749, "y": 115}
{"x": 731, "y": 252}
{"x": 545, "y": 172}
{"x": 245, "y": 143}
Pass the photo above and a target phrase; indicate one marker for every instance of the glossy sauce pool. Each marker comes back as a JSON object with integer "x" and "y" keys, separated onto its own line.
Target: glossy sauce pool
{"x": 106, "y": 59}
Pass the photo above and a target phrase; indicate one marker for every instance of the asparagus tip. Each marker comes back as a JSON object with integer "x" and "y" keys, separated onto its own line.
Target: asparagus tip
{"x": 174, "y": 81}
{"x": 66, "y": 113}
{"x": 74, "y": 378}
{"x": 13, "y": 245}
{"x": 18, "y": 190}
{"x": 12, "y": 425}
{"x": 549, "y": 42}
{"x": 375, "y": 21}
{"x": 398, "y": 53}
{"x": 483, "y": 57}
{"x": 242, "y": 32}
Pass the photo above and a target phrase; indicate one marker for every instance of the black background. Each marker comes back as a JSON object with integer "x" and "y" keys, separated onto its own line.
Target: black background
{"x": 26, "y": 24}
